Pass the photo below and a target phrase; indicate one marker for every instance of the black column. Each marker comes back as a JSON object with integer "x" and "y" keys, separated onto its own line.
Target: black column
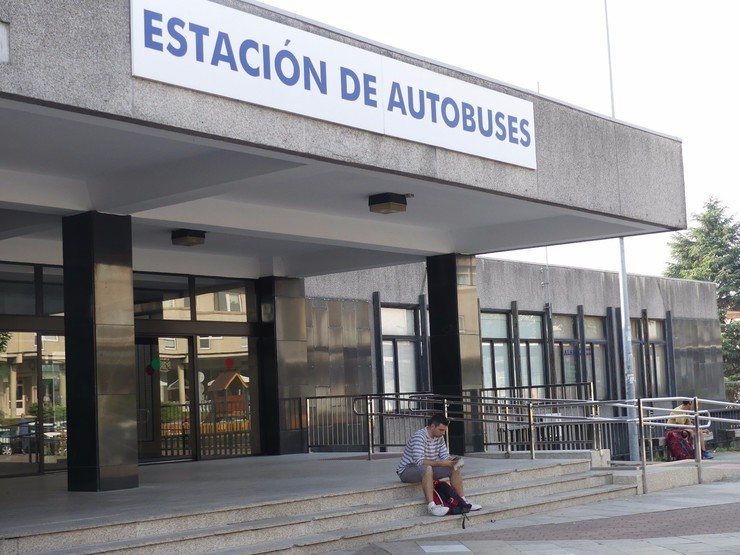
{"x": 101, "y": 366}
{"x": 284, "y": 379}
{"x": 454, "y": 323}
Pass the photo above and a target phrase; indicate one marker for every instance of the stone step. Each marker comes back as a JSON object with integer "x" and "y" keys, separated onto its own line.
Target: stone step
{"x": 339, "y": 540}
{"x": 315, "y": 521}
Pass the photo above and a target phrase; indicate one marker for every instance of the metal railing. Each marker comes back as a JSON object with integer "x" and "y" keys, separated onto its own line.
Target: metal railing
{"x": 512, "y": 423}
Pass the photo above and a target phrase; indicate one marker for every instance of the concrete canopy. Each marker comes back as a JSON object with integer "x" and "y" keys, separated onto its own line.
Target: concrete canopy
{"x": 278, "y": 193}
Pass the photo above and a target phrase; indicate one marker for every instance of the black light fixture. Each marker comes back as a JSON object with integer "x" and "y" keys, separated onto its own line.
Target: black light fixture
{"x": 387, "y": 203}
{"x": 188, "y": 237}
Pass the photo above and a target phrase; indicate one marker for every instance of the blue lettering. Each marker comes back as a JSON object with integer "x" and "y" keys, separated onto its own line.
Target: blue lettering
{"x": 417, "y": 113}
{"x": 501, "y": 133}
{"x": 244, "y": 49}
{"x": 310, "y": 71}
{"x": 370, "y": 90}
{"x": 174, "y": 26}
{"x": 446, "y": 103}
{"x": 485, "y": 130}
{"x": 467, "y": 116}
{"x": 345, "y": 75}
{"x": 524, "y": 128}
{"x": 396, "y": 99}
{"x": 223, "y": 43}
{"x": 513, "y": 130}
{"x": 285, "y": 78}
{"x": 266, "y": 61}
{"x": 199, "y": 31}
{"x": 150, "y": 31}
{"x": 433, "y": 99}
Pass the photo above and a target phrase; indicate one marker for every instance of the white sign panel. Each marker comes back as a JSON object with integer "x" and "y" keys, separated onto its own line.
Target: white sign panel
{"x": 215, "y": 49}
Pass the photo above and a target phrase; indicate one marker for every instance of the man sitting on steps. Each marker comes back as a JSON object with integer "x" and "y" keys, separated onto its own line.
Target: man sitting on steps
{"x": 426, "y": 459}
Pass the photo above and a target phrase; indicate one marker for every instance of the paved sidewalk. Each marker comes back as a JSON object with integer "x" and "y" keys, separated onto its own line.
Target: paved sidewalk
{"x": 701, "y": 519}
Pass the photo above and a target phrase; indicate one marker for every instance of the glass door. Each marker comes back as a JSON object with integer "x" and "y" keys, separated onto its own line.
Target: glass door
{"x": 164, "y": 415}
{"x": 227, "y": 382}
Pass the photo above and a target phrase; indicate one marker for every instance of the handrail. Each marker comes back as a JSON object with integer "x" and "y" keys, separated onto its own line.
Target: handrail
{"x": 532, "y": 414}
{"x": 519, "y": 422}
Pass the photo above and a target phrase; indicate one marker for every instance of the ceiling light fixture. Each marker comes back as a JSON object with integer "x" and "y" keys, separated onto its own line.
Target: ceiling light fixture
{"x": 387, "y": 203}
{"x": 188, "y": 237}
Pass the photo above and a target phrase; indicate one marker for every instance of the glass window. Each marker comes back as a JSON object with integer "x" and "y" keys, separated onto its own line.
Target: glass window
{"x": 494, "y": 325}
{"x": 223, "y": 300}
{"x": 398, "y": 321}
{"x": 655, "y": 330}
{"x": 596, "y": 360}
{"x": 401, "y": 351}
{"x": 161, "y": 297}
{"x": 660, "y": 369}
{"x": 389, "y": 368}
{"x": 502, "y": 364}
{"x": 33, "y": 402}
{"x": 563, "y": 326}
{"x": 530, "y": 326}
{"x": 487, "y": 361}
{"x": 53, "y": 291}
{"x": 17, "y": 291}
{"x": 496, "y": 364}
{"x": 565, "y": 363}
{"x": 594, "y": 327}
{"x": 408, "y": 381}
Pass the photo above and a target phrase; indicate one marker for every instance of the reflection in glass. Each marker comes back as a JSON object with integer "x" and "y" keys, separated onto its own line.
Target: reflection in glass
{"x": 33, "y": 407}
{"x": 494, "y": 325}
{"x": 163, "y": 400}
{"x": 17, "y": 291}
{"x": 53, "y": 291}
{"x": 223, "y": 300}
{"x": 161, "y": 297}
{"x": 398, "y": 321}
{"x": 227, "y": 394}
{"x": 530, "y": 326}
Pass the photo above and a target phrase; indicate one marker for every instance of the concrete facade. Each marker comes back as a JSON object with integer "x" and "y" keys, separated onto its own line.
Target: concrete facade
{"x": 281, "y": 197}
{"x": 69, "y": 68}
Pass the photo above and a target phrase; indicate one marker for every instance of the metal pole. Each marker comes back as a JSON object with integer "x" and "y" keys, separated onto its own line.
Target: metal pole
{"x": 629, "y": 377}
{"x": 643, "y": 455}
{"x": 369, "y": 405}
{"x": 697, "y": 440}
{"x": 532, "y": 432}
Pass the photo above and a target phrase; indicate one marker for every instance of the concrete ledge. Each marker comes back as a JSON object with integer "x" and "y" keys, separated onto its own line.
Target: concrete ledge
{"x": 598, "y": 458}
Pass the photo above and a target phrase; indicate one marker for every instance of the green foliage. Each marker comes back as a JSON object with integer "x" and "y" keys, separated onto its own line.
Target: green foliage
{"x": 51, "y": 414}
{"x": 710, "y": 252}
{"x": 172, "y": 412}
{"x": 731, "y": 350}
{"x": 4, "y": 338}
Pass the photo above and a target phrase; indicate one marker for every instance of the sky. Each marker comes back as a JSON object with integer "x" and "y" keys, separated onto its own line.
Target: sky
{"x": 673, "y": 70}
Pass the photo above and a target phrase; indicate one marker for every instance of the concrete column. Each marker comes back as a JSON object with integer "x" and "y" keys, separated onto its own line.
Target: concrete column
{"x": 454, "y": 323}
{"x": 101, "y": 362}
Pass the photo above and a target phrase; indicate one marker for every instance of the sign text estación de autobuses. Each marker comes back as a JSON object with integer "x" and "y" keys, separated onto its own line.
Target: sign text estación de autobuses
{"x": 208, "y": 47}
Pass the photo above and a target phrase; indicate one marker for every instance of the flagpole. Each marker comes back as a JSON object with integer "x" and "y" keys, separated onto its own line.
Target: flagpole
{"x": 629, "y": 376}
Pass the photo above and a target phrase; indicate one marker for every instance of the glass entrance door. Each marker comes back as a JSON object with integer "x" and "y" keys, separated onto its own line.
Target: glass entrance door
{"x": 216, "y": 417}
{"x": 227, "y": 379}
{"x": 164, "y": 414}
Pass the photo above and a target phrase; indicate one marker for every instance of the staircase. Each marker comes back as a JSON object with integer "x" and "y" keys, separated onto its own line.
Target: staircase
{"x": 331, "y": 522}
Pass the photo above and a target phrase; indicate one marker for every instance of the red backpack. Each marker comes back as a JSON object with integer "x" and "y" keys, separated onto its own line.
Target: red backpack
{"x": 445, "y": 494}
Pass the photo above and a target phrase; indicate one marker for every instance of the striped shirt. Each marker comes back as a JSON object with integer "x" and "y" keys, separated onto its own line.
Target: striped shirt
{"x": 419, "y": 447}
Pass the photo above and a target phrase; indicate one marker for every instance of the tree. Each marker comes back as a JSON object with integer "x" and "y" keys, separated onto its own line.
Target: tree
{"x": 711, "y": 252}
